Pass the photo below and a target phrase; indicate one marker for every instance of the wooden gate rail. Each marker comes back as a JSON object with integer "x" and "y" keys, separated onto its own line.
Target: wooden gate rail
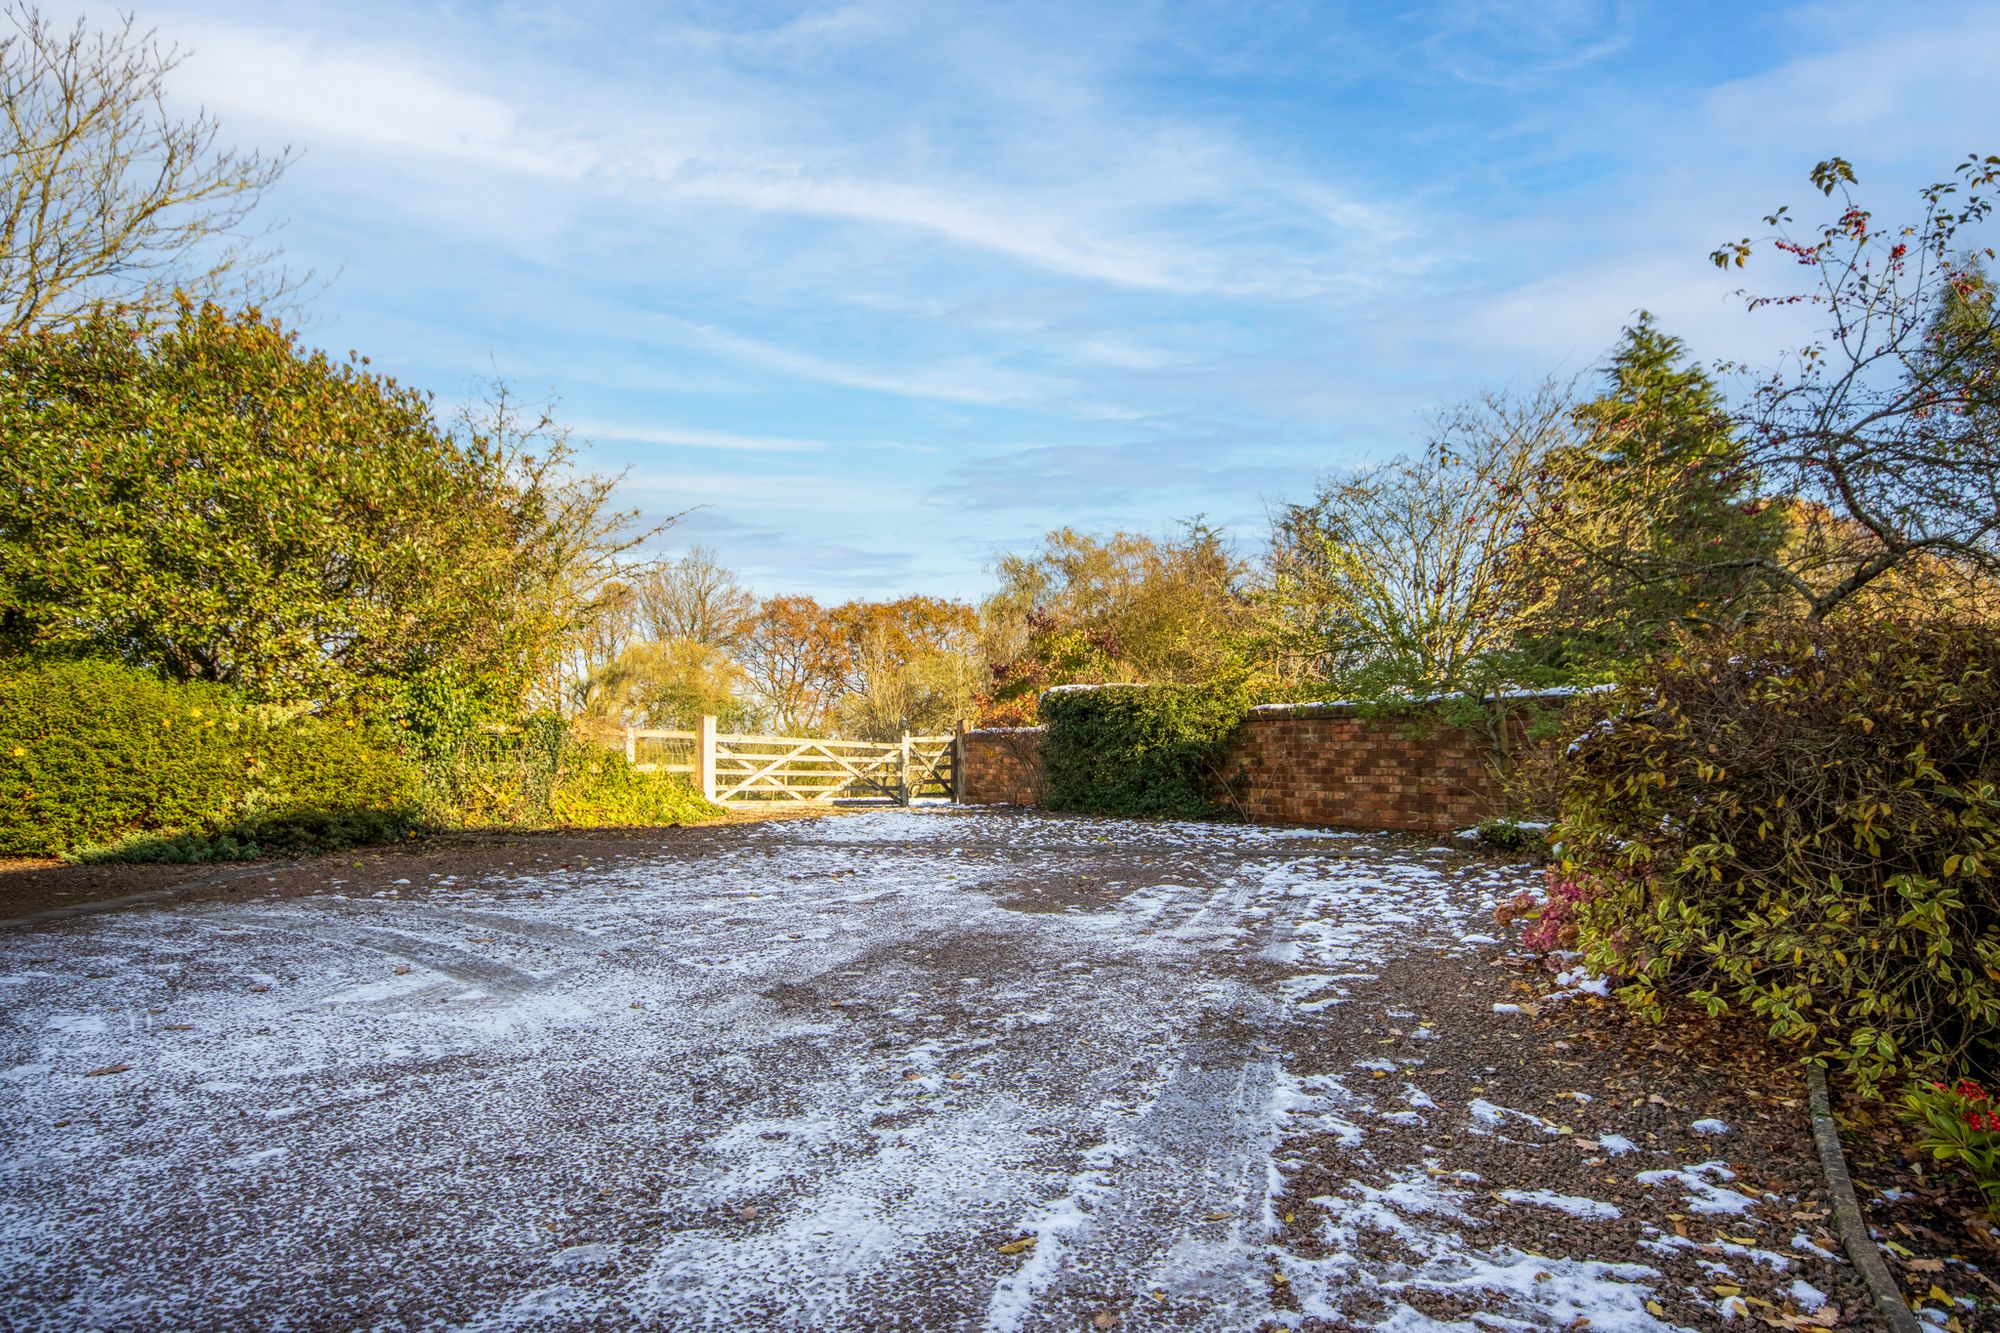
{"x": 737, "y": 769}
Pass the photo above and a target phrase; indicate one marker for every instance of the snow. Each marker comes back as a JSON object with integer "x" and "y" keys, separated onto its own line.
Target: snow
{"x": 1702, "y": 1192}
{"x": 1616, "y": 1144}
{"x": 1592, "y": 1209}
{"x": 773, "y": 1084}
{"x": 1709, "y": 1126}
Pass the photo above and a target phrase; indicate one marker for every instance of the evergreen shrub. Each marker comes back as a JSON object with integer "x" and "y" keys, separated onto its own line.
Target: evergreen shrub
{"x": 1147, "y": 750}
{"x": 101, "y": 760}
{"x": 1803, "y": 824}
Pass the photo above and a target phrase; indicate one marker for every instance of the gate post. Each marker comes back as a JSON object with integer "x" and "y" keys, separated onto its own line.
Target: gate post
{"x": 704, "y": 757}
{"x": 958, "y": 763}
{"x": 631, "y": 747}
{"x": 903, "y": 779}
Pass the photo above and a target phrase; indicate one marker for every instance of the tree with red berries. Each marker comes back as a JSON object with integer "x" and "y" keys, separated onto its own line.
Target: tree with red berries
{"x": 1885, "y": 427}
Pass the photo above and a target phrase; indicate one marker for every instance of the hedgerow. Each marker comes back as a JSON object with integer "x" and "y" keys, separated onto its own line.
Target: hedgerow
{"x": 1802, "y": 824}
{"x": 99, "y": 759}
{"x": 1147, "y": 750}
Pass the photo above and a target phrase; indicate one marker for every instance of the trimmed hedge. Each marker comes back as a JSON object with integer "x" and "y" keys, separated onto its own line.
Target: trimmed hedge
{"x": 1803, "y": 824}
{"x": 1147, "y": 750}
{"x": 103, "y": 760}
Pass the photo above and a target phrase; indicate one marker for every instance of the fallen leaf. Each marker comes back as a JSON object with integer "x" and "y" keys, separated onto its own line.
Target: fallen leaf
{"x": 1105, "y": 1320}
{"x": 178, "y": 1027}
{"x": 749, "y": 1212}
{"x": 108, "y": 1069}
{"x": 401, "y": 969}
{"x": 1216, "y": 1216}
{"x": 1021, "y": 1246}
{"x": 1655, "y": 1309}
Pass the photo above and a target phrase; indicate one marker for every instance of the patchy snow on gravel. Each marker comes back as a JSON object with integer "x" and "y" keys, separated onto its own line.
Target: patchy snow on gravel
{"x": 1593, "y": 1209}
{"x": 822, "y": 1071}
{"x": 1702, "y": 1187}
{"x": 1427, "y": 1221}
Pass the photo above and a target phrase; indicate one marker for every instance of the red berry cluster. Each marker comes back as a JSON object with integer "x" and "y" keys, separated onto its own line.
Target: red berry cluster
{"x": 1980, "y": 1115}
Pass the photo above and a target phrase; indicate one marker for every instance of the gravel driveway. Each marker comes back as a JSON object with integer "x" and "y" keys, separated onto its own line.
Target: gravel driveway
{"x": 899, "y": 1070}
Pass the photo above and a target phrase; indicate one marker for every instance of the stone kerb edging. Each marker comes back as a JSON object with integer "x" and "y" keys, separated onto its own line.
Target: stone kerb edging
{"x": 1847, "y": 1216}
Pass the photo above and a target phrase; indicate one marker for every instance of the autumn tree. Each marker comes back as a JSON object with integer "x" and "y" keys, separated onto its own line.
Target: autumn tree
{"x": 209, "y": 498}
{"x": 797, "y": 662}
{"x": 913, "y": 666}
{"x": 1883, "y": 427}
{"x": 1127, "y": 607}
{"x": 111, "y": 196}
{"x": 1397, "y": 577}
{"x": 668, "y": 683}
{"x": 696, "y": 598}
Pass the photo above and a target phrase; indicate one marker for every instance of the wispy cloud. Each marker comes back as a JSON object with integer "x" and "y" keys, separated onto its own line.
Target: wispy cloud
{"x": 882, "y": 284}
{"x": 694, "y": 438}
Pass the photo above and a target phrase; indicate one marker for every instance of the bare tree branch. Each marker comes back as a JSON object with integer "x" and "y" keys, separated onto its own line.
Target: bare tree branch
{"x": 108, "y": 196}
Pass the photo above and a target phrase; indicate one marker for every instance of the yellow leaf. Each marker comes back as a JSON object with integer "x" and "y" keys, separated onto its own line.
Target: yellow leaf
{"x": 1021, "y": 1246}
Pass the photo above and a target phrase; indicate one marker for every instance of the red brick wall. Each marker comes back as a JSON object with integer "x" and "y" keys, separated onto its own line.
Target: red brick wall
{"x": 1310, "y": 764}
{"x": 1323, "y": 764}
{"x": 1001, "y": 766}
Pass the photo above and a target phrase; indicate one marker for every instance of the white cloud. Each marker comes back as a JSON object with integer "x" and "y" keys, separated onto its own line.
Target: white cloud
{"x": 694, "y": 438}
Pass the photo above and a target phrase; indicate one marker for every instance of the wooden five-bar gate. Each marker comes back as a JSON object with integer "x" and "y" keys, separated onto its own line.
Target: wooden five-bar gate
{"x": 732, "y": 769}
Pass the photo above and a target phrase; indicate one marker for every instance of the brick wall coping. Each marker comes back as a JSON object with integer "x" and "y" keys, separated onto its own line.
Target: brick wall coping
{"x": 1347, "y": 707}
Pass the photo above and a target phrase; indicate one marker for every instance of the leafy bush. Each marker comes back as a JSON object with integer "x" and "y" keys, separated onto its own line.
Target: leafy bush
{"x": 1804, "y": 824}
{"x": 1514, "y": 835}
{"x": 1960, "y": 1123}
{"x": 597, "y": 788}
{"x": 1150, "y": 750}
{"x": 104, "y": 760}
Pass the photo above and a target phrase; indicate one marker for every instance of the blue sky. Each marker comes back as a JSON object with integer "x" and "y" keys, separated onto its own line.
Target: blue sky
{"x": 887, "y": 288}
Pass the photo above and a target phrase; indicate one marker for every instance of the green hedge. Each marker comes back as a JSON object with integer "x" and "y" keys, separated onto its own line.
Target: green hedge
{"x": 99, "y": 759}
{"x": 1148, "y": 750}
{"x": 1803, "y": 825}
{"x": 595, "y": 787}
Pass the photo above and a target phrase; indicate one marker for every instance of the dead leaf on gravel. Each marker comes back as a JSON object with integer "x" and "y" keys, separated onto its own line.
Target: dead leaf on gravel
{"x": 401, "y": 969}
{"x": 1215, "y": 1216}
{"x": 178, "y": 1027}
{"x": 1105, "y": 1320}
{"x": 1925, "y": 1265}
{"x": 1021, "y": 1246}
{"x": 108, "y": 1069}
{"x": 749, "y": 1212}
{"x": 260, "y": 987}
